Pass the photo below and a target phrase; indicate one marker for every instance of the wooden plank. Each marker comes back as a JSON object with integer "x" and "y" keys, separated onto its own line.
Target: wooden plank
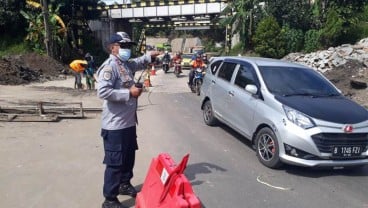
{"x": 28, "y": 118}
{"x": 44, "y": 111}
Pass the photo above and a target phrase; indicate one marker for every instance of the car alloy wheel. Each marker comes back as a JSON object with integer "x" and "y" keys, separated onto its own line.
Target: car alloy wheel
{"x": 268, "y": 148}
{"x": 208, "y": 115}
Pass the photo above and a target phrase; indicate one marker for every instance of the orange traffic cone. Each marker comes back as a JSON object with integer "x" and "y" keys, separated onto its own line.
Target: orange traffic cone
{"x": 147, "y": 80}
{"x": 153, "y": 71}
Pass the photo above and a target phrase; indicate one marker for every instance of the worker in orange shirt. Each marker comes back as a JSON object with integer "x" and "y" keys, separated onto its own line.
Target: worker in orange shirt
{"x": 78, "y": 66}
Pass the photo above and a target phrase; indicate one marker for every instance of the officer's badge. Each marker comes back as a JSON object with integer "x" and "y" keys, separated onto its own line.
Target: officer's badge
{"x": 107, "y": 76}
{"x": 107, "y": 73}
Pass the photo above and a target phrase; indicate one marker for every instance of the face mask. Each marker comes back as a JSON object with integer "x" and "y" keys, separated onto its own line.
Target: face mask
{"x": 124, "y": 54}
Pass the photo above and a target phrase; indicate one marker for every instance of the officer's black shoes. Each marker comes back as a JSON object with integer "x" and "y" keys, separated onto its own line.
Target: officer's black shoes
{"x": 112, "y": 204}
{"x": 127, "y": 189}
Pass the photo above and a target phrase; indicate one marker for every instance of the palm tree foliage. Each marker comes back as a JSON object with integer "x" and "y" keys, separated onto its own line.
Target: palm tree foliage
{"x": 67, "y": 19}
{"x": 242, "y": 16}
{"x": 36, "y": 28}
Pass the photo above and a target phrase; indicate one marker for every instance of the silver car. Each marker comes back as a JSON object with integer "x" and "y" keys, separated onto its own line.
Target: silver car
{"x": 291, "y": 113}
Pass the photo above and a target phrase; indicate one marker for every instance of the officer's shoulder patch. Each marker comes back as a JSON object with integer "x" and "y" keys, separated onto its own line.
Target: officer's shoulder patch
{"x": 107, "y": 72}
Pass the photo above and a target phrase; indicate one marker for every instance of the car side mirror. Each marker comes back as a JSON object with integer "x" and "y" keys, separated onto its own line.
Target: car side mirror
{"x": 251, "y": 88}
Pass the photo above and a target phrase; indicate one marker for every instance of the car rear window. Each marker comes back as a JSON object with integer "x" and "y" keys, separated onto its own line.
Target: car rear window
{"x": 187, "y": 56}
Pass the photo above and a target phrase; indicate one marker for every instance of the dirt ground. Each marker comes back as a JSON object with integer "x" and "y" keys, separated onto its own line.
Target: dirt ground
{"x": 343, "y": 76}
{"x": 59, "y": 164}
{"x": 27, "y": 68}
{"x": 35, "y": 68}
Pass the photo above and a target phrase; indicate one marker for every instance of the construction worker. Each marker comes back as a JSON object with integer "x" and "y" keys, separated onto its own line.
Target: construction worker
{"x": 117, "y": 88}
{"x": 89, "y": 72}
{"x": 78, "y": 66}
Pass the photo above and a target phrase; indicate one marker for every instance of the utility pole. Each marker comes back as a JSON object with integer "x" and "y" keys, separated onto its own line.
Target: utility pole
{"x": 48, "y": 41}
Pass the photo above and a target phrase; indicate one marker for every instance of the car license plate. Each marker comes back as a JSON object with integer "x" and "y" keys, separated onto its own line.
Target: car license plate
{"x": 346, "y": 151}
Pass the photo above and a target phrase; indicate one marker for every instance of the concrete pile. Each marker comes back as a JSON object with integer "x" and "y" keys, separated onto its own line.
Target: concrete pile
{"x": 333, "y": 57}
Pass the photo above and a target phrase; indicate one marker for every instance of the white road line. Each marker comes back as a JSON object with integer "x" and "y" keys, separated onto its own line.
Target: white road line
{"x": 269, "y": 185}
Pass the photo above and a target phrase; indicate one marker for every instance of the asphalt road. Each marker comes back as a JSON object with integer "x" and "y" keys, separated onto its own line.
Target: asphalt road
{"x": 223, "y": 167}
{"x": 59, "y": 164}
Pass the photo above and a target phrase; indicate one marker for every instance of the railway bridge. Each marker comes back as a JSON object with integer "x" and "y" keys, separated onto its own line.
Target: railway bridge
{"x": 121, "y": 15}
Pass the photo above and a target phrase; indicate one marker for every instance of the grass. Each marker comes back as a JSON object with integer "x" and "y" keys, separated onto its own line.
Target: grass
{"x": 20, "y": 48}
{"x": 11, "y": 46}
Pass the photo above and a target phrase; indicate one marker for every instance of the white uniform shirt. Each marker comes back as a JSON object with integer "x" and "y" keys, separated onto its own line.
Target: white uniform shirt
{"x": 115, "y": 77}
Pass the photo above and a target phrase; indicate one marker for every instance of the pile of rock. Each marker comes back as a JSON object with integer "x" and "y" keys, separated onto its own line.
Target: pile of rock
{"x": 333, "y": 57}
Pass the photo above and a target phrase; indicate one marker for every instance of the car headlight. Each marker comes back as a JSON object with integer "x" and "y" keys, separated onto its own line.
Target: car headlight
{"x": 298, "y": 118}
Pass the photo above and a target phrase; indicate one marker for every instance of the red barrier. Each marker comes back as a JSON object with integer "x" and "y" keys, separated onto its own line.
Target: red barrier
{"x": 165, "y": 185}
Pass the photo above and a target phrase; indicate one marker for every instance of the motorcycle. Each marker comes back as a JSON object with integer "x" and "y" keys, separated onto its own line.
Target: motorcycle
{"x": 177, "y": 68}
{"x": 197, "y": 80}
{"x": 165, "y": 66}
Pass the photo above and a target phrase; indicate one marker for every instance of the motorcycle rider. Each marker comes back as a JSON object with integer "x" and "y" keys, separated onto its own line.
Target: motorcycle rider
{"x": 177, "y": 60}
{"x": 167, "y": 56}
{"x": 204, "y": 58}
{"x": 167, "y": 59}
{"x": 196, "y": 63}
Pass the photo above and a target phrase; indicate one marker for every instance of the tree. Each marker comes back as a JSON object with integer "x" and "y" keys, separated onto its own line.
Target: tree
{"x": 44, "y": 30}
{"x": 294, "y": 13}
{"x": 48, "y": 37}
{"x": 338, "y": 19}
{"x": 268, "y": 39}
{"x": 11, "y": 21}
{"x": 241, "y": 16}
{"x": 62, "y": 20}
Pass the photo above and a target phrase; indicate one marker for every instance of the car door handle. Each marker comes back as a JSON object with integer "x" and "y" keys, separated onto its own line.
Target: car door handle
{"x": 231, "y": 93}
{"x": 213, "y": 81}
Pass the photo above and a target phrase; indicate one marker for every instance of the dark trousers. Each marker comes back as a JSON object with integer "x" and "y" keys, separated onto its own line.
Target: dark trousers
{"x": 119, "y": 147}
{"x": 191, "y": 76}
{"x": 78, "y": 80}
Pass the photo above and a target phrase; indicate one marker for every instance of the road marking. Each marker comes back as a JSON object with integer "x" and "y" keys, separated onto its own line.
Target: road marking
{"x": 269, "y": 185}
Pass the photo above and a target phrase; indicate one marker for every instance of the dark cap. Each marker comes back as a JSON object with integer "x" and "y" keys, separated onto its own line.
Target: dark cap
{"x": 115, "y": 38}
{"x": 125, "y": 39}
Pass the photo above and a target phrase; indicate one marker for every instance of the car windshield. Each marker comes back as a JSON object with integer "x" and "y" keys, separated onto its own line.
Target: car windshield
{"x": 186, "y": 56}
{"x": 294, "y": 81}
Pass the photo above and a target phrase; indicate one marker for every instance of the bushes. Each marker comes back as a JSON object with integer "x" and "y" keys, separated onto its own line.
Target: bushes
{"x": 311, "y": 41}
{"x": 332, "y": 30}
{"x": 12, "y": 45}
{"x": 268, "y": 39}
{"x": 293, "y": 38}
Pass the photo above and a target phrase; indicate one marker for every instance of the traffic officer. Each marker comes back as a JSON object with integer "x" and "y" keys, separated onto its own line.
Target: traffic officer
{"x": 117, "y": 88}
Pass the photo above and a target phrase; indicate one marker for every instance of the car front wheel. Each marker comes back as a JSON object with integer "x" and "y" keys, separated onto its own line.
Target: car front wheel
{"x": 208, "y": 114}
{"x": 267, "y": 148}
